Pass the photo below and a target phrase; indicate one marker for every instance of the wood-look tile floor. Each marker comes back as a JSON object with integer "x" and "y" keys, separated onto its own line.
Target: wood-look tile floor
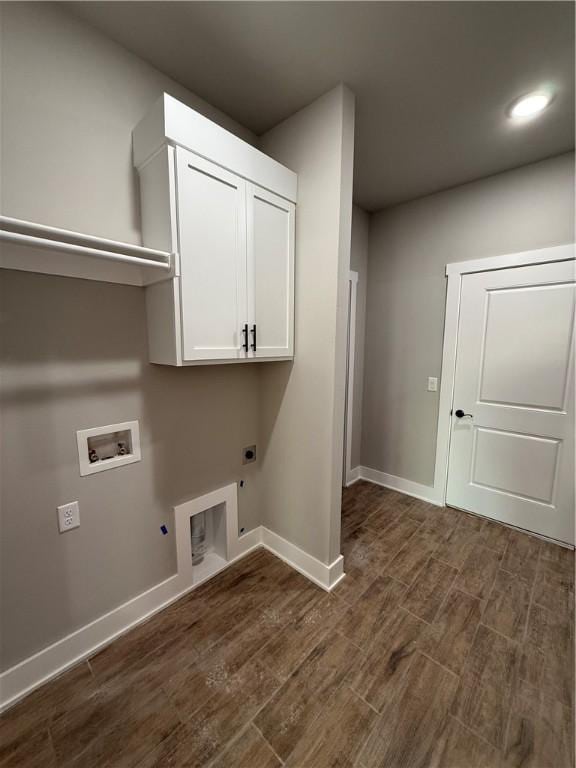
{"x": 449, "y": 644}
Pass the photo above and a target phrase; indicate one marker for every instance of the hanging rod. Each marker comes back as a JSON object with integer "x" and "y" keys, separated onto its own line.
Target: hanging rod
{"x": 21, "y": 232}
{"x": 22, "y": 227}
{"x": 56, "y": 245}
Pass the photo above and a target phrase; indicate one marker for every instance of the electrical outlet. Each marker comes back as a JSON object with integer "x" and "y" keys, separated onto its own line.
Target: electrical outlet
{"x": 249, "y": 454}
{"x": 68, "y": 516}
{"x": 432, "y": 384}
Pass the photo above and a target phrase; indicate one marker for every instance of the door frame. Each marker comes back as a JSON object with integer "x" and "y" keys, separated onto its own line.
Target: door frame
{"x": 454, "y": 274}
{"x": 351, "y": 361}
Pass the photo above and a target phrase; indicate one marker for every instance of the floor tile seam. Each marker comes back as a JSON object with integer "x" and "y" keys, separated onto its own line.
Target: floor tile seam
{"x": 348, "y": 640}
{"x": 380, "y": 576}
{"x": 410, "y": 584}
{"x": 252, "y": 723}
{"x": 378, "y": 633}
{"x": 251, "y": 658}
{"x": 243, "y": 728}
{"x": 104, "y": 732}
{"x": 400, "y": 690}
{"x": 439, "y": 664}
{"x": 358, "y": 695}
{"x": 518, "y": 643}
{"x": 448, "y": 590}
{"x": 483, "y": 599}
{"x": 513, "y": 687}
{"x": 284, "y": 625}
{"x": 52, "y": 746}
{"x": 92, "y": 675}
{"x": 221, "y": 638}
{"x": 404, "y": 671}
{"x": 498, "y": 552}
{"x": 380, "y": 628}
{"x": 489, "y": 598}
{"x": 557, "y": 568}
{"x": 507, "y": 547}
{"x": 531, "y": 602}
{"x": 348, "y": 600}
{"x": 320, "y": 637}
{"x": 174, "y": 706}
{"x": 402, "y": 607}
{"x": 517, "y": 575}
{"x": 316, "y": 716}
{"x": 419, "y": 524}
{"x": 446, "y": 562}
{"x": 513, "y": 692}
{"x": 562, "y": 612}
{"x": 452, "y": 588}
{"x": 419, "y": 572}
{"x": 474, "y": 732}
{"x": 466, "y": 661}
{"x": 546, "y": 696}
{"x": 370, "y": 729}
{"x": 103, "y": 679}
{"x": 374, "y": 546}
{"x": 500, "y": 749}
{"x": 323, "y": 634}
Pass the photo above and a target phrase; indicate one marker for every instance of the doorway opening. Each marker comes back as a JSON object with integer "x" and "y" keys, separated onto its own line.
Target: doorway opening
{"x": 350, "y": 365}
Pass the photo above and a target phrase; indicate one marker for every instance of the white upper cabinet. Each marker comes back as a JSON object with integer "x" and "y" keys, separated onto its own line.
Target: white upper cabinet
{"x": 270, "y": 230}
{"x": 212, "y": 234}
{"x": 228, "y": 213}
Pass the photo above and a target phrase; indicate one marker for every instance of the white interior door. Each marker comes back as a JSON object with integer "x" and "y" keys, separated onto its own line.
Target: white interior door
{"x": 512, "y": 453}
{"x": 271, "y": 229}
{"x": 212, "y": 236}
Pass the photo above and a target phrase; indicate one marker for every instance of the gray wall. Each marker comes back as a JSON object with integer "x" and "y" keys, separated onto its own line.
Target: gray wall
{"x": 531, "y": 207}
{"x": 359, "y": 263}
{"x": 74, "y": 351}
{"x": 74, "y": 356}
{"x": 303, "y": 402}
{"x": 70, "y": 99}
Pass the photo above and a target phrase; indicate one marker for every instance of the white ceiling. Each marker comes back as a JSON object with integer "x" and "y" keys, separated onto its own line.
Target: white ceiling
{"x": 432, "y": 79}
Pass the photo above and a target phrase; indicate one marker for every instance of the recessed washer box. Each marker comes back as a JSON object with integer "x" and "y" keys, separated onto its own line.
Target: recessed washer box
{"x": 101, "y": 448}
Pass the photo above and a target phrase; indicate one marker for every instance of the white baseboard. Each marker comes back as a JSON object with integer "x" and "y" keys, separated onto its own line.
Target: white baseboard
{"x": 31, "y": 673}
{"x": 353, "y": 476}
{"x": 249, "y": 541}
{"x": 325, "y": 576}
{"x": 419, "y": 491}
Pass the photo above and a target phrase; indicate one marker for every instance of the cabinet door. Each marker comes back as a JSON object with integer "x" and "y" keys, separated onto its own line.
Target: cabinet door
{"x": 212, "y": 232}
{"x": 271, "y": 234}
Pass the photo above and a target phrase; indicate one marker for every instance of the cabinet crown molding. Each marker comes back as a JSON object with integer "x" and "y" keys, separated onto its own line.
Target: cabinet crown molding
{"x": 171, "y": 122}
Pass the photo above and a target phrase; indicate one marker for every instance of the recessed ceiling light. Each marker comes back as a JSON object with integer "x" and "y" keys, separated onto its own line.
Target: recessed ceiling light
{"x": 530, "y": 105}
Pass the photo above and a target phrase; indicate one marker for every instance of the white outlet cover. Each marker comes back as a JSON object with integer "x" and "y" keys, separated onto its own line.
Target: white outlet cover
{"x": 432, "y": 384}
{"x": 68, "y": 516}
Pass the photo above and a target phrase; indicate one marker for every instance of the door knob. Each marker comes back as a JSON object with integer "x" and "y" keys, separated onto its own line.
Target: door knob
{"x": 460, "y": 414}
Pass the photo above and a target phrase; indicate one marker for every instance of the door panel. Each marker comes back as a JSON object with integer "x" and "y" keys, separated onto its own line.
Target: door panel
{"x": 271, "y": 271}
{"x": 500, "y": 460}
{"x": 527, "y": 346}
{"x": 213, "y": 257}
{"x": 512, "y": 459}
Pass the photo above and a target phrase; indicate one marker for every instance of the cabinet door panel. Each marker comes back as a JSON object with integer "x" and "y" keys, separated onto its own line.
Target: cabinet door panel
{"x": 271, "y": 272}
{"x": 212, "y": 229}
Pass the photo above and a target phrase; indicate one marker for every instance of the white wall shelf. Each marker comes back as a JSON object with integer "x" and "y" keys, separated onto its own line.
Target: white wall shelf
{"x": 79, "y": 255}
